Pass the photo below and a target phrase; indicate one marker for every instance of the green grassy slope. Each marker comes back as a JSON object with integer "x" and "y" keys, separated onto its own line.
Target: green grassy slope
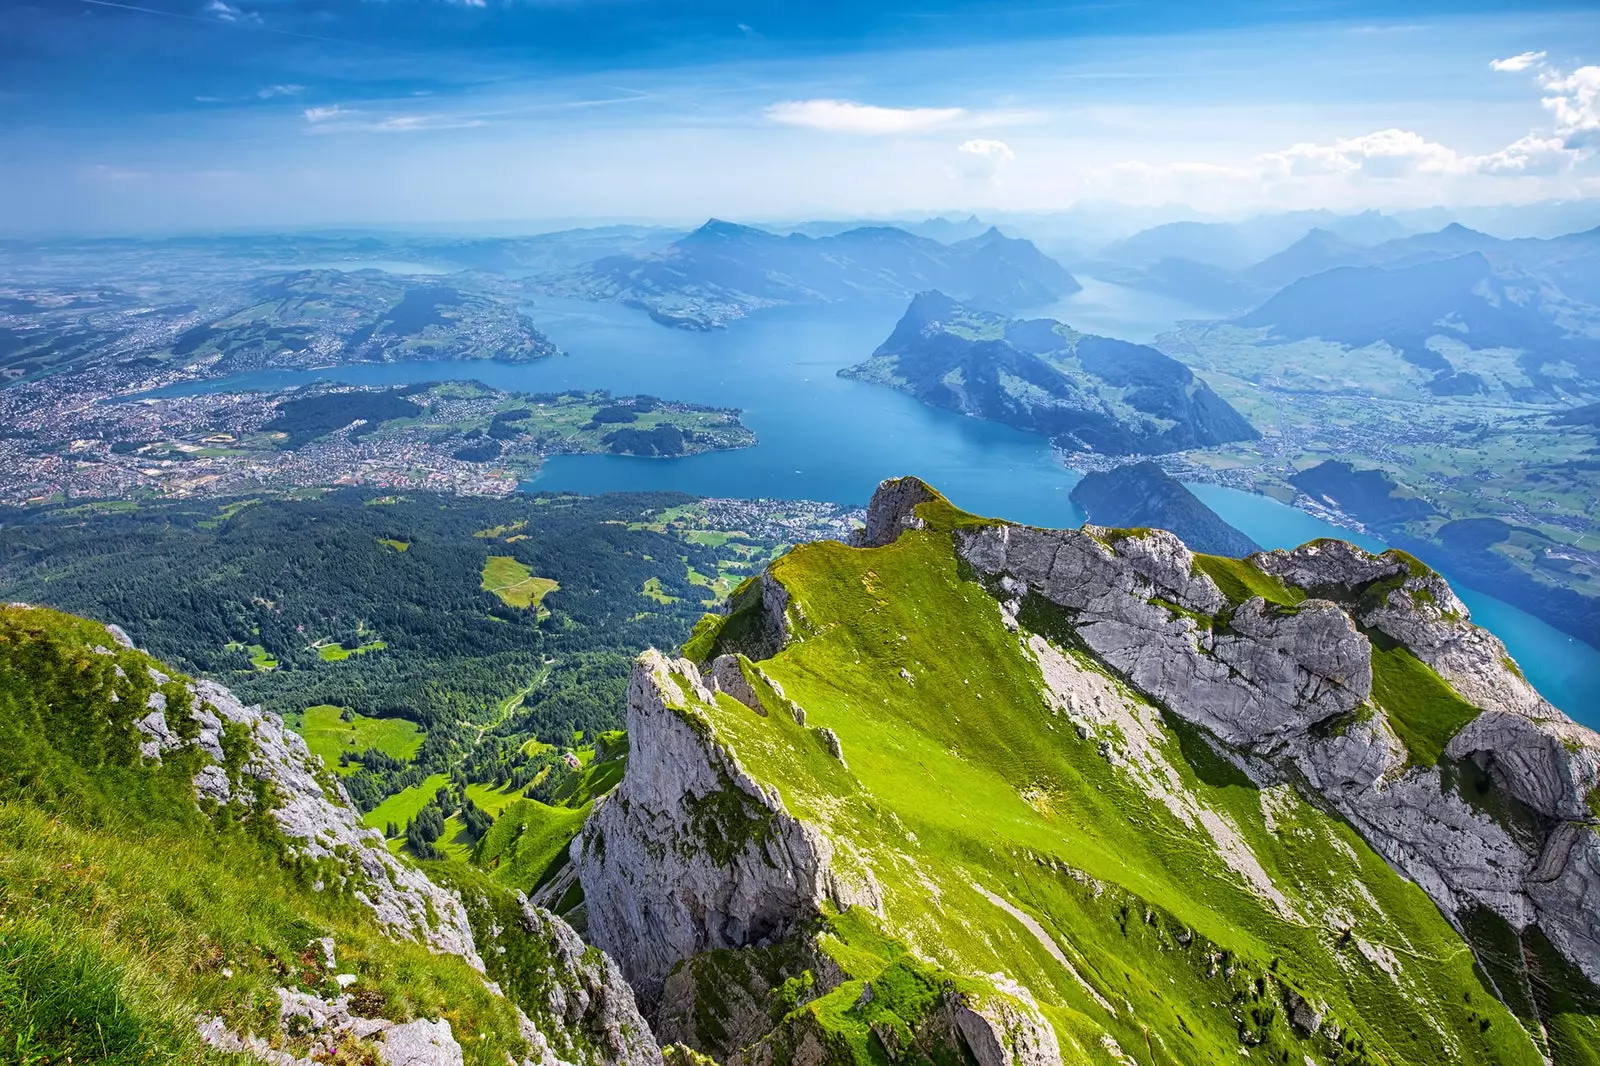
{"x": 126, "y": 912}
{"x": 972, "y": 801}
{"x": 327, "y": 734}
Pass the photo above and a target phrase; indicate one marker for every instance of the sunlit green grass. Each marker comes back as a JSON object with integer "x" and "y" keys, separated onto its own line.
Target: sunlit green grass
{"x": 328, "y": 735}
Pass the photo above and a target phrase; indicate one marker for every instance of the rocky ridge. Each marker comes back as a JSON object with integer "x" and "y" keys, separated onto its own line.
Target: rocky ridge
{"x": 762, "y": 879}
{"x": 1290, "y": 689}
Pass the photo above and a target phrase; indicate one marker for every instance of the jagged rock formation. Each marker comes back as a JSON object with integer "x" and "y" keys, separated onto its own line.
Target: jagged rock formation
{"x": 690, "y": 853}
{"x": 1268, "y": 681}
{"x": 313, "y": 812}
{"x": 1098, "y": 806}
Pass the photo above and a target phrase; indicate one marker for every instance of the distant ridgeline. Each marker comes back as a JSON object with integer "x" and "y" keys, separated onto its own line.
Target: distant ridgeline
{"x": 978, "y": 791}
{"x": 1142, "y": 495}
{"x": 1086, "y": 393}
{"x": 304, "y": 317}
{"x": 723, "y": 271}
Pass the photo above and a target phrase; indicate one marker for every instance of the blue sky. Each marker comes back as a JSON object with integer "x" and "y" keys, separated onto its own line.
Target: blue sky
{"x": 225, "y": 114}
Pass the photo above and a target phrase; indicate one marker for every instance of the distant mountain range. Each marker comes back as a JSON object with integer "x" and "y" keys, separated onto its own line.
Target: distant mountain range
{"x": 1467, "y": 299}
{"x": 723, "y": 271}
{"x": 1236, "y": 245}
{"x": 1086, "y": 393}
{"x": 1228, "y": 267}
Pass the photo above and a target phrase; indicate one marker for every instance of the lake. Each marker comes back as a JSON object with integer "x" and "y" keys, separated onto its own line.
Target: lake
{"x": 823, "y": 437}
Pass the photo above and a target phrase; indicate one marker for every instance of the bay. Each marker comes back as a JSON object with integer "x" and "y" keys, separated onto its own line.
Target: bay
{"x": 822, "y": 437}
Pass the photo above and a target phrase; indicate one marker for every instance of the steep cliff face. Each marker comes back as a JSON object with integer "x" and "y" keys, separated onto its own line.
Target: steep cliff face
{"x": 1117, "y": 798}
{"x": 239, "y": 876}
{"x": 691, "y": 853}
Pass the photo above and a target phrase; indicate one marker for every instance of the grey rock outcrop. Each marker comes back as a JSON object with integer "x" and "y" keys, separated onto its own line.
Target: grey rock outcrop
{"x": 311, "y": 809}
{"x": 589, "y": 998}
{"x": 419, "y": 1042}
{"x": 1268, "y": 677}
{"x": 690, "y": 853}
{"x": 893, "y": 510}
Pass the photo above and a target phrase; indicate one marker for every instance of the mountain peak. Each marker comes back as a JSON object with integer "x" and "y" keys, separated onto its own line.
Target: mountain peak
{"x": 719, "y": 229}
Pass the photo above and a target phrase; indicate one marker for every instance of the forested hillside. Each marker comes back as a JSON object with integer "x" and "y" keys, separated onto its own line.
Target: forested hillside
{"x": 485, "y": 623}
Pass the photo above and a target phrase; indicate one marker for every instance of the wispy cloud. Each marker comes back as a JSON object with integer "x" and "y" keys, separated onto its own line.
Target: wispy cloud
{"x": 271, "y": 91}
{"x": 336, "y": 119}
{"x": 847, "y": 116}
{"x": 1517, "y": 63}
{"x": 226, "y": 12}
{"x": 109, "y": 172}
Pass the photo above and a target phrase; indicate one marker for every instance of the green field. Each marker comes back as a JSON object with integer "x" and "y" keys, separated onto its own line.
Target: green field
{"x": 336, "y": 652}
{"x": 328, "y": 736}
{"x": 496, "y": 532}
{"x": 397, "y": 545}
{"x": 529, "y": 841}
{"x": 260, "y": 658}
{"x": 653, "y": 591}
{"x": 514, "y": 583}
{"x": 403, "y": 806}
{"x": 454, "y": 841}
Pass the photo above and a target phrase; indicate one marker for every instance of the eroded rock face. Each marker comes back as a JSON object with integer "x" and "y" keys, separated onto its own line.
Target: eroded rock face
{"x": 315, "y": 815}
{"x": 590, "y": 997}
{"x": 690, "y": 853}
{"x": 893, "y": 510}
{"x": 1268, "y": 677}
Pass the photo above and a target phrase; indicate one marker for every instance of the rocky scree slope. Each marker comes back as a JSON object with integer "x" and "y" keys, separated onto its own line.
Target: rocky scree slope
{"x": 1086, "y": 393}
{"x": 183, "y": 880}
{"x": 972, "y": 791}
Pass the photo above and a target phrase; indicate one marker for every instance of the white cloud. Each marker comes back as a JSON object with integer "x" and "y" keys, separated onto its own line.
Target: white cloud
{"x": 225, "y": 12}
{"x": 420, "y": 123}
{"x": 1528, "y": 156}
{"x": 271, "y": 91}
{"x": 1382, "y": 154}
{"x": 847, "y": 116}
{"x": 981, "y": 158}
{"x": 335, "y": 119}
{"x": 1518, "y": 63}
{"x": 1574, "y": 100}
{"x": 108, "y": 172}
{"x": 1386, "y": 166}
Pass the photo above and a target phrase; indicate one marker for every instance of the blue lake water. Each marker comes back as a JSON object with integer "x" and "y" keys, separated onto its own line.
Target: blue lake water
{"x": 826, "y": 438}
